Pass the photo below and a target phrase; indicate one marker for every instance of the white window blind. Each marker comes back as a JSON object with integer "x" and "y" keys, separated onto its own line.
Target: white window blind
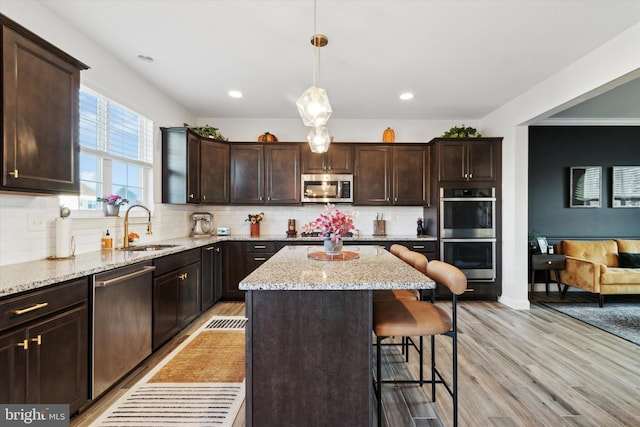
{"x": 116, "y": 152}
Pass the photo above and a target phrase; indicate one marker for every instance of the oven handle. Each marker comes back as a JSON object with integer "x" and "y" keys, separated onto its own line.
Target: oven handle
{"x": 471, "y": 240}
{"x": 468, "y": 199}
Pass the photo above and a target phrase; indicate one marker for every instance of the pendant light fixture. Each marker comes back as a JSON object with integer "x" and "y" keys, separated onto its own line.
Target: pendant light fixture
{"x": 313, "y": 105}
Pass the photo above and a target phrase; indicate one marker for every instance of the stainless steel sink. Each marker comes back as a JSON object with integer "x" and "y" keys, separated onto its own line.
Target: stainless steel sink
{"x": 150, "y": 247}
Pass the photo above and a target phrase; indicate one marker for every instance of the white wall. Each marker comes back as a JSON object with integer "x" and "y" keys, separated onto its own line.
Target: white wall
{"x": 617, "y": 61}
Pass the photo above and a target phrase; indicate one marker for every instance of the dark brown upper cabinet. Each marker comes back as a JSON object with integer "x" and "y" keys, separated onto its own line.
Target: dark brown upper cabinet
{"x": 265, "y": 174}
{"x": 411, "y": 175}
{"x": 338, "y": 159}
{"x": 214, "y": 172}
{"x": 391, "y": 175}
{"x": 195, "y": 169}
{"x": 372, "y": 175}
{"x": 40, "y": 92}
{"x": 468, "y": 159}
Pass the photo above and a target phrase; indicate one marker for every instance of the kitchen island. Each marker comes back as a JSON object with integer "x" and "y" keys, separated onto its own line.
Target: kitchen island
{"x": 309, "y": 346}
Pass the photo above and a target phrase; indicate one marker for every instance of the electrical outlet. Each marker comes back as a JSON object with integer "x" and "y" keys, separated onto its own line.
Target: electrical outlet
{"x": 35, "y": 222}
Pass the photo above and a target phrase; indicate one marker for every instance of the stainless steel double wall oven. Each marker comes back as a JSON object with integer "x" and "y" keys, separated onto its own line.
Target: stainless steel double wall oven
{"x": 468, "y": 231}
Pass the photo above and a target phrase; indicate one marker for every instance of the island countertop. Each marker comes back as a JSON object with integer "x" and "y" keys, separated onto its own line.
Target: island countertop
{"x": 375, "y": 268}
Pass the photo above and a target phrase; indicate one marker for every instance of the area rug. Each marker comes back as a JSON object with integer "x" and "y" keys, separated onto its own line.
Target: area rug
{"x": 200, "y": 383}
{"x": 618, "y": 318}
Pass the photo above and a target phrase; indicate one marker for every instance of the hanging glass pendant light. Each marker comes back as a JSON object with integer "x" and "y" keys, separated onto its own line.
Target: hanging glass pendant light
{"x": 313, "y": 105}
{"x": 319, "y": 139}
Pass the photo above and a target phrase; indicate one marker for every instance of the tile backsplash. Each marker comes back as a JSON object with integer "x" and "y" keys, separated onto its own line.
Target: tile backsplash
{"x": 27, "y": 223}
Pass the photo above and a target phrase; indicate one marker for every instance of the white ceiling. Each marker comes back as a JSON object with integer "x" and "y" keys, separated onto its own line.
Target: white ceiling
{"x": 461, "y": 58}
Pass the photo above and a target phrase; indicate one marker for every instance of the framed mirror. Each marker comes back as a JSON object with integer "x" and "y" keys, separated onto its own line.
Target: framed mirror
{"x": 586, "y": 187}
{"x": 625, "y": 191}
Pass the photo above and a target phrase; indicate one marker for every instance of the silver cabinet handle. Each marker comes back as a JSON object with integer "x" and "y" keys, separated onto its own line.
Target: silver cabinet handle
{"x": 211, "y": 248}
{"x": 418, "y": 246}
{"x": 259, "y": 259}
{"x": 259, "y": 246}
{"x": 146, "y": 269}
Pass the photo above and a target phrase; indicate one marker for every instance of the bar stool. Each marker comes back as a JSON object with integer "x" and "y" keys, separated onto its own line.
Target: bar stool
{"x": 403, "y": 294}
{"x": 396, "y": 249}
{"x": 420, "y": 318}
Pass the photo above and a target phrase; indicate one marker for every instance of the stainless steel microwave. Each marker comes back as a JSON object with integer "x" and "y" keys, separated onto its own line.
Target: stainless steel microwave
{"x": 327, "y": 188}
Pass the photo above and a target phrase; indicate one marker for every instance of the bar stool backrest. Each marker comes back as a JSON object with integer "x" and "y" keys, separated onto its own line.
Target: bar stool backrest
{"x": 411, "y": 257}
{"x": 397, "y": 249}
{"x": 448, "y": 275}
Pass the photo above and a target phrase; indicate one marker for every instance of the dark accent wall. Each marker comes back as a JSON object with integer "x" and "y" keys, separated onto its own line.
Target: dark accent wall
{"x": 552, "y": 151}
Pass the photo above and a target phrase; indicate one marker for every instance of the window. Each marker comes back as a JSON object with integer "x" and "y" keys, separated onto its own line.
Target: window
{"x": 116, "y": 153}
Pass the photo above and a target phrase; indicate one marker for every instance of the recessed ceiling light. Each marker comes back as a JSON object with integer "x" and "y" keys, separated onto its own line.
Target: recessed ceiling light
{"x": 406, "y": 96}
{"x": 235, "y": 94}
{"x": 145, "y": 58}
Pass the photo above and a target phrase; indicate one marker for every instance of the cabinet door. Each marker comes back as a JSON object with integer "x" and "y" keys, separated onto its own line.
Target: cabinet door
{"x": 166, "y": 308}
{"x": 193, "y": 168}
{"x": 180, "y": 166}
{"x": 189, "y": 293}
{"x": 312, "y": 162}
{"x": 482, "y": 160}
{"x": 40, "y": 118}
{"x": 13, "y": 367}
{"x": 214, "y": 172}
{"x": 338, "y": 159}
{"x": 282, "y": 174}
{"x": 410, "y": 175}
{"x": 234, "y": 270}
{"x": 208, "y": 270}
{"x": 218, "y": 272}
{"x": 58, "y": 359}
{"x": 452, "y": 164}
{"x": 372, "y": 178}
{"x": 247, "y": 174}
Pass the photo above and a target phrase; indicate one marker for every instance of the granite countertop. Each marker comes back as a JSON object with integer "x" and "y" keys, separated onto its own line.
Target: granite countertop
{"x": 25, "y": 276}
{"x": 374, "y": 268}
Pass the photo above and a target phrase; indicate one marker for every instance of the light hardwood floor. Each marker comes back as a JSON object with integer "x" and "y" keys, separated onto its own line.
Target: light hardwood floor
{"x": 532, "y": 367}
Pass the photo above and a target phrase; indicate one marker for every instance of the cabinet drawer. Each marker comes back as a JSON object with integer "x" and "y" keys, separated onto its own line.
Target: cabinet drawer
{"x": 422, "y": 247}
{"x": 548, "y": 262}
{"x": 260, "y": 247}
{"x": 18, "y": 310}
{"x": 175, "y": 261}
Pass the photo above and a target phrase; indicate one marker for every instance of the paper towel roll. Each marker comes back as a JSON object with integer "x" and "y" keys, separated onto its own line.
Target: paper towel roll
{"x": 63, "y": 238}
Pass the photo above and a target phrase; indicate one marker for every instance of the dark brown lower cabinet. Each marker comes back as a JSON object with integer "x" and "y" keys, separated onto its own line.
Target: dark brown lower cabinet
{"x": 45, "y": 359}
{"x": 211, "y": 283}
{"x": 240, "y": 259}
{"x": 176, "y": 294}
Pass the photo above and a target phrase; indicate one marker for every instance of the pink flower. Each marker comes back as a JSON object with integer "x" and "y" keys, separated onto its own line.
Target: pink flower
{"x": 333, "y": 224}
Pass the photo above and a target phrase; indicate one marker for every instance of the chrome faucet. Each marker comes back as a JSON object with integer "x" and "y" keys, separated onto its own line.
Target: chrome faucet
{"x": 126, "y": 223}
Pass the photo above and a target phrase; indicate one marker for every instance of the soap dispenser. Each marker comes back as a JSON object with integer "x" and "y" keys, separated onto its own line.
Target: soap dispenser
{"x": 107, "y": 241}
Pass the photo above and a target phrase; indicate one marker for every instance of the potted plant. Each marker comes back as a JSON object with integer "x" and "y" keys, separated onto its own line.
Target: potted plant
{"x": 461, "y": 132}
{"x": 111, "y": 204}
{"x": 254, "y": 221}
{"x": 207, "y": 131}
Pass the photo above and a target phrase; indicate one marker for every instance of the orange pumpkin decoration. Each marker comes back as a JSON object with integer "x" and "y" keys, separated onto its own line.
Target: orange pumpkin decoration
{"x": 267, "y": 137}
{"x": 388, "y": 135}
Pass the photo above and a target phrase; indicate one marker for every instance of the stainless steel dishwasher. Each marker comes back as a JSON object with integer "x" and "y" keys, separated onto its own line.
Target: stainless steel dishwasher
{"x": 122, "y": 312}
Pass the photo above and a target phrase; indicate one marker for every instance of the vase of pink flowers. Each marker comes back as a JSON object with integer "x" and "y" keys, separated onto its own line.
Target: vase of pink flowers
{"x": 331, "y": 227}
